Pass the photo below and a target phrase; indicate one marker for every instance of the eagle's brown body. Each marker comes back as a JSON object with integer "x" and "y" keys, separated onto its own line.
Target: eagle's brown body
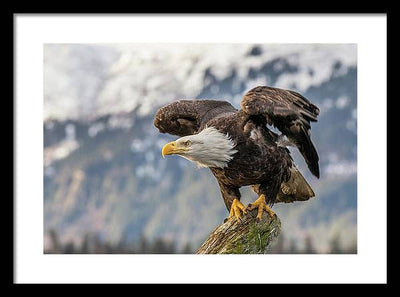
{"x": 259, "y": 161}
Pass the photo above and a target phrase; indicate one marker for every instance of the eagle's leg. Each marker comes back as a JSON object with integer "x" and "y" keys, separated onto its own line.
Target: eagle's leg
{"x": 261, "y": 205}
{"x": 236, "y": 208}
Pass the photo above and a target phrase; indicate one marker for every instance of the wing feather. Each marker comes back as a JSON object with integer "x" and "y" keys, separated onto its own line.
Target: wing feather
{"x": 288, "y": 111}
{"x": 187, "y": 117}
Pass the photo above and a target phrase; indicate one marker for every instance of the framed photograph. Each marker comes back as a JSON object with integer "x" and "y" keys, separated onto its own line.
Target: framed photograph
{"x": 148, "y": 141}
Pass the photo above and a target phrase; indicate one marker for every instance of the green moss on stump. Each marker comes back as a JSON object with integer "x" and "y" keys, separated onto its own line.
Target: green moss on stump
{"x": 250, "y": 236}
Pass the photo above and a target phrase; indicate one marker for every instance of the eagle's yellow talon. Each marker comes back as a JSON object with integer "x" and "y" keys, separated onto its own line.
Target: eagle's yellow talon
{"x": 261, "y": 205}
{"x": 270, "y": 211}
{"x": 236, "y": 208}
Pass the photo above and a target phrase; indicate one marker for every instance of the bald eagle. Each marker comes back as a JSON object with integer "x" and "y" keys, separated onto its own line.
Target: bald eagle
{"x": 239, "y": 147}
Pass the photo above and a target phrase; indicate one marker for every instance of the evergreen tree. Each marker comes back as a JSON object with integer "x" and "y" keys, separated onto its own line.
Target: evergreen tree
{"x": 308, "y": 245}
{"x": 335, "y": 245}
{"x": 187, "y": 249}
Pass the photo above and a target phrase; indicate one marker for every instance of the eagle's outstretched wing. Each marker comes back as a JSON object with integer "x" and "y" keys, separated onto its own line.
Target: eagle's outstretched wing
{"x": 288, "y": 111}
{"x": 187, "y": 117}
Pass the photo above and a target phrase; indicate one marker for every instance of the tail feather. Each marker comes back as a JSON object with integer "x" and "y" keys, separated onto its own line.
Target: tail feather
{"x": 296, "y": 189}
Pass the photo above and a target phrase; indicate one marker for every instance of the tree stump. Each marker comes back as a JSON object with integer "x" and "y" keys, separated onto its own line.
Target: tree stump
{"x": 250, "y": 236}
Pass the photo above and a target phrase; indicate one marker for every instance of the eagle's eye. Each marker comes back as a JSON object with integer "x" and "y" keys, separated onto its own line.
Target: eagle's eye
{"x": 187, "y": 143}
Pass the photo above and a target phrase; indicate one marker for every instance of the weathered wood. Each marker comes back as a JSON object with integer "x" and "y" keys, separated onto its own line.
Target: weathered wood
{"x": 250, "y": 236}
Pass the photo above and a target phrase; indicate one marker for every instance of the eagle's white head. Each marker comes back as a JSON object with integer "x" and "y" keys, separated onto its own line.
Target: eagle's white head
{"x": 209, "y": 148}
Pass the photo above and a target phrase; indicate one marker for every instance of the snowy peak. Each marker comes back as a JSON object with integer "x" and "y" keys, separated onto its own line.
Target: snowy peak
{"x": 84, "y": 81}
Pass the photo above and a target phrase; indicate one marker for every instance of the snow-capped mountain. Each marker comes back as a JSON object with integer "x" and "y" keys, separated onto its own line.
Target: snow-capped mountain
{"x": 85, "y": 81}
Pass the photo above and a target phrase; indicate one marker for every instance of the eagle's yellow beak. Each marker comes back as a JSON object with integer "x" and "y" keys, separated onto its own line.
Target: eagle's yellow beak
{"x": 169, "y": 149}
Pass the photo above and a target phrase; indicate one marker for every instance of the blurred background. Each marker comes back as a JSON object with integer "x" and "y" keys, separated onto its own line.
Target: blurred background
{"x": 108, "y": 190}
